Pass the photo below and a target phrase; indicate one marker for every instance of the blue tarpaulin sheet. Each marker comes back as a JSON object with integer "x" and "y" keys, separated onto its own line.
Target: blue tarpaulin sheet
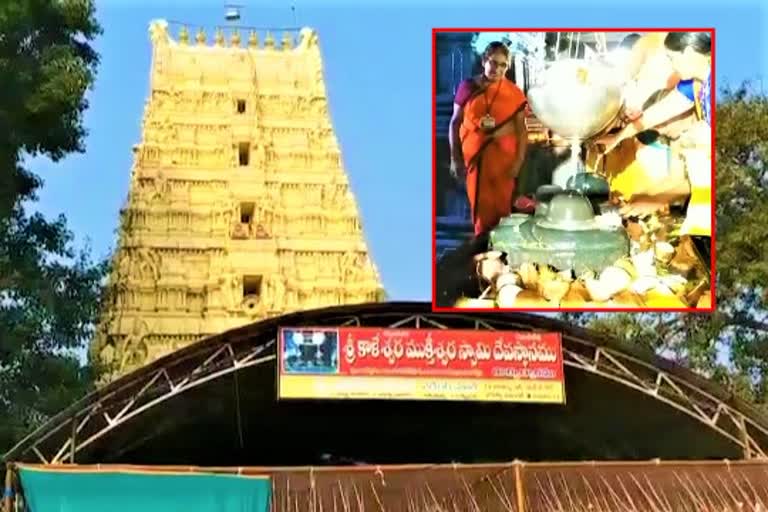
{"x": 48, "y": 490}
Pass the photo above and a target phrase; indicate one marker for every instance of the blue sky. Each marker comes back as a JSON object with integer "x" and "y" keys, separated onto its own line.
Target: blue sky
{"x": 378, "y": 73}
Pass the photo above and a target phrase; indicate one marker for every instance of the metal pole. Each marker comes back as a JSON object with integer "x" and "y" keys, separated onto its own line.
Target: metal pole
{"x": 746, "y": 449}
{"x": 519, "y": 487}
{"x": 8, "y": 494}
{"x": 578, "y": 43}
{"x": 72, "y": 441}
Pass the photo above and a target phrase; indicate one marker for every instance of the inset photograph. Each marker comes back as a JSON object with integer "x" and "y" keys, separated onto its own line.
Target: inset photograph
{"x": 309, "y": 351}
{"x": 573, "y": 171}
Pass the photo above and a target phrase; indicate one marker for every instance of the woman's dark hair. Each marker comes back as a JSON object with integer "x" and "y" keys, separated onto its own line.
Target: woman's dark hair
{"x": 629, "y": 41}
{"x": 494, "y": 48}
{"x": 648, "y": 137}
{"x": 655, "y": 98}
{"x": 701, "y": 42}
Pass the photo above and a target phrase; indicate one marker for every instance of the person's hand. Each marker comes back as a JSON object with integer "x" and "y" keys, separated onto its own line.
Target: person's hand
{"x": 641, "y": 208}
{"x": 458, "y": 171}
{"x": 606, "y": 143}
{"x": 630, "y": 115}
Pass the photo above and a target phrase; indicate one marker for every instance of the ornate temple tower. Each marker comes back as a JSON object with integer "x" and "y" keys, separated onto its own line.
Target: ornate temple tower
{"x": 239, "y": 208}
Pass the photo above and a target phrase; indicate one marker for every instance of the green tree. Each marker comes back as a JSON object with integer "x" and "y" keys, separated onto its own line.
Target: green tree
{"x": 49, "y": 292}
{"x": 731, "y": 345}
{"x": 46, "y": 67}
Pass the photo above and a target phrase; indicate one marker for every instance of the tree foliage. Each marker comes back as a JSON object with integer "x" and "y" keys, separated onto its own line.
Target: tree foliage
{"x": 46, "y": 67}
{"x": 50, "y": 297}
{"x": 730, "y": 345}
{"x": 49, "y": 292}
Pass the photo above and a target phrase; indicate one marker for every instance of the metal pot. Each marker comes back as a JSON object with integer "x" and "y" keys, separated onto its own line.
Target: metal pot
{"x": 577, "y": 99}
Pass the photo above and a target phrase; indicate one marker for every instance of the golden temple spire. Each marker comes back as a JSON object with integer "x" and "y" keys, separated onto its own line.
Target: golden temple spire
{"x": 158, "y": 32}
{"x": 184, "y": 35}
{"x": 253, "y": 40}
{"x": 219, "y": 37}
{"x": 236, "y": 39}
{"x": 201, "y": 38}
{"x": 269, "y": 41}
{"x": 287, "y": 40}
{"x": 307, "y": 39}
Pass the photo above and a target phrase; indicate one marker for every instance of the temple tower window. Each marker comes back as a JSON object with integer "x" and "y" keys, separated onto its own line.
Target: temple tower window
{"x": 246, "y": 212}
{"x": 244, "y": 153}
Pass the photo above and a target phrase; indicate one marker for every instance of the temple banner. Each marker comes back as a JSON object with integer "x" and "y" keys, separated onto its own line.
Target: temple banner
{"x": 420, "y": 364}
{"x": 580, "y": 217}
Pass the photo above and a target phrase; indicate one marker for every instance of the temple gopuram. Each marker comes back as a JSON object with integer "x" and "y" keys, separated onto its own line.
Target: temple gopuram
{"x": 239, "y": 207}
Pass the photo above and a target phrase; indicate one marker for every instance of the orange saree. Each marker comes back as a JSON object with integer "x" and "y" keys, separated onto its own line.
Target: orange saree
{"x": 490, "y": 153}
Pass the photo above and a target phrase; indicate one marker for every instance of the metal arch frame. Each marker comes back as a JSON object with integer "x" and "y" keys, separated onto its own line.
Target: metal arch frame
{"x": 151, "y": 389}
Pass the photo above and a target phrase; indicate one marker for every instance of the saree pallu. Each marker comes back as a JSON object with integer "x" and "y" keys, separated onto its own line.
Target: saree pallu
{"x": 651, "y": 164}
{"x": 698, "y": 217}
{"x": 696, "y": 151}
{"x": 489, "y": 157}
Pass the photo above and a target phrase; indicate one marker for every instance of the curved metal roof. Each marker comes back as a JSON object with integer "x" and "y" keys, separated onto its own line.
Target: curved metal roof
{"x": 214, "y": 403}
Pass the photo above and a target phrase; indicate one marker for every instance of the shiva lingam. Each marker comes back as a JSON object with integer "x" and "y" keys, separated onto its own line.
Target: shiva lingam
{"x": 577, "y": 100}
{"x": 564, "y": 233}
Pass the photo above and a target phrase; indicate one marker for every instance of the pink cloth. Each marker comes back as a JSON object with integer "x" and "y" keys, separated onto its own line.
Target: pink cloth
{"x": 466, "y": 89}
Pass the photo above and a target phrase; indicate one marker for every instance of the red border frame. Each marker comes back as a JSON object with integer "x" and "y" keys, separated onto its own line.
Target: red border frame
{"x": 713, "y": 255}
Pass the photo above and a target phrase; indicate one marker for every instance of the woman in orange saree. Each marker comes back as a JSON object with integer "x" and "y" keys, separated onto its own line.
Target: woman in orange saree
{"x": 489, "y": 139}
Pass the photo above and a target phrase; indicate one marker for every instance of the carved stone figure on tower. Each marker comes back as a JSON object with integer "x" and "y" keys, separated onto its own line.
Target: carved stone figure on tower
{"x": 259, "y": 156}
{"x": 326, "y": 200}
{"x": 122, "y": 268}
{"x": 231, "y": 285}
{"x": 214, "y": 297}
{"x": 229, "y": 210}
{"x": 107, "y": 354}
{"x": 273, "y": 292}
{"x": 134, "y": 348}
{"x": 347, "y": 265}
{"x": 148, "y": 264}
{"x": 160, "y": 189}
{"x": 266, "y": 297}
